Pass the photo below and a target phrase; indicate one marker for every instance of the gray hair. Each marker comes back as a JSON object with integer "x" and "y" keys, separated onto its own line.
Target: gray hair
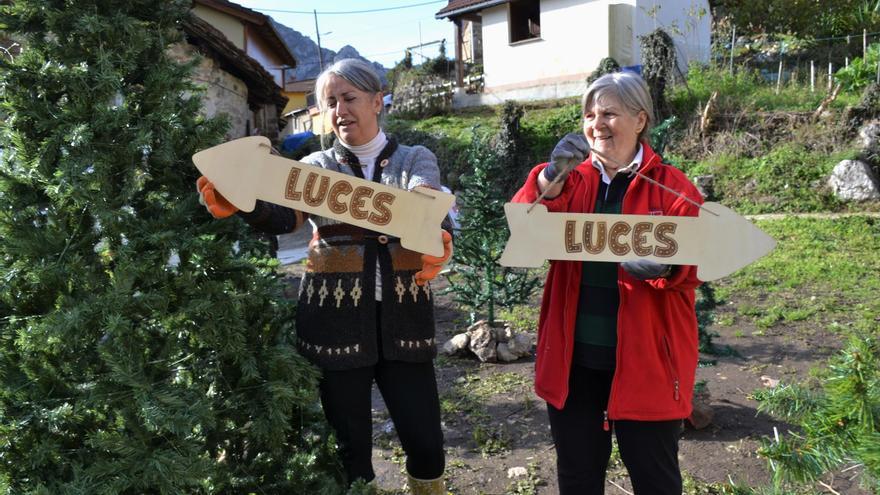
{"x": 627, "y": 88}
{"x": 357, "y": 72}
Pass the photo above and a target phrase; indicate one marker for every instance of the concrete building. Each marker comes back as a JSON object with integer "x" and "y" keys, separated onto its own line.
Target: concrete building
{"x": 545, "y": 49}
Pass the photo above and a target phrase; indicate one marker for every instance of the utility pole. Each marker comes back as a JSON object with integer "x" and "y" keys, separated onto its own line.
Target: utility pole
{"x": 318, "y": 34}
{"x": 421, "y": 45}
{"x": 420, "y": 40}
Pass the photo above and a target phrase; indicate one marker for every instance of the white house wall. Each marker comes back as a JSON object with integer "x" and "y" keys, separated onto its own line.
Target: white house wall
{"x": 231, "y": 27}
{"x": 574, "y": 38}
{"x": 687, "y": 21}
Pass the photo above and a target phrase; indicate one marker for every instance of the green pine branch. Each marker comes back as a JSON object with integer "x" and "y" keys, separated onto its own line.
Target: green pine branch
{"x": 838, "y": 423}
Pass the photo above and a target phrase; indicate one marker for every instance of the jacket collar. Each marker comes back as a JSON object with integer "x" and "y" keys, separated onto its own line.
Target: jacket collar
{"x": 650, "y": 161}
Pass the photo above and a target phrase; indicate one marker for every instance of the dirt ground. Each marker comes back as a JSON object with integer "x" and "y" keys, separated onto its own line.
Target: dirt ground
{"x": 506, "y": 425}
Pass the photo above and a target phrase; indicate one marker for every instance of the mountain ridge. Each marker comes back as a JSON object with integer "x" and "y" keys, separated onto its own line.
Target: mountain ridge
{"x": 308, "y": 66}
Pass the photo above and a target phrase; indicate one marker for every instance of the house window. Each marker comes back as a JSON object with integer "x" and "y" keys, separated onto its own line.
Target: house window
{"x": 525, "y": 20}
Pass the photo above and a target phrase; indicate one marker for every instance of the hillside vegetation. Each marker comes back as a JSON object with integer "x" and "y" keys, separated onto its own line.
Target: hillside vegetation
{"x": 766, "y": 151}
{"x": 804, "y": 316}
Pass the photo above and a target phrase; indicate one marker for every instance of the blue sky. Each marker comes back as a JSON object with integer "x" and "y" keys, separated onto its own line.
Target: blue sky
{"x": 378, "y": 36}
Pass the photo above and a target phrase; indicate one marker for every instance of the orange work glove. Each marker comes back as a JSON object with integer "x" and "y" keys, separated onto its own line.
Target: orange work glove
{"x": 431, "y": 265}
{"x": 217, "y": 205}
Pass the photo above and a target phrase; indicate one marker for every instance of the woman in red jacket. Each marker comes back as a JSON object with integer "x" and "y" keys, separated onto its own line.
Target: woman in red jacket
{"x": 617, "y": 342}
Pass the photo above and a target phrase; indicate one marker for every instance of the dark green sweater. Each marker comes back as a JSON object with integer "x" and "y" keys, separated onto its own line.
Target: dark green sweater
{"x": 596, "y": 325}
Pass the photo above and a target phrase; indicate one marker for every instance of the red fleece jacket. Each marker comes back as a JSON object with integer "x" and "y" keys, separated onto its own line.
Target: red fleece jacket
{"x": 657, "y": 342}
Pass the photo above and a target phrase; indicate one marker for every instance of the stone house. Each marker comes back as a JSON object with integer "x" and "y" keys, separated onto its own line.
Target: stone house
{"x": 243, "y": 66}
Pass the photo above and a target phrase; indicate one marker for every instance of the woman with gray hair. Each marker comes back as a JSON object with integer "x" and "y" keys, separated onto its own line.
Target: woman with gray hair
{"x": 617, "y": 342}
{"x": 364, "y": 332}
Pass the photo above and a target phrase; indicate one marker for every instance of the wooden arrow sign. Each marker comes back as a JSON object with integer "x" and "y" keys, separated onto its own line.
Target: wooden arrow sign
{"x": 244, "y": 171}
{"x": 717, "y": 244}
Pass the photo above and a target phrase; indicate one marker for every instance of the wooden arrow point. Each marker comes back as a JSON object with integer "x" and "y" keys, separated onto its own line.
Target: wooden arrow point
{"x": 718, "y": 241}
{"x": 244, "y": 171}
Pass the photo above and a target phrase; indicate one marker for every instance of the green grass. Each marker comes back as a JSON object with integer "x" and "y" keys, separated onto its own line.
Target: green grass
{"x": 522, "y": 318}
{"x": 823, "y": 272}
{"x": 746, "y": 89}
{"x": 790, "y": 178}
{"x": 449, "y": 136}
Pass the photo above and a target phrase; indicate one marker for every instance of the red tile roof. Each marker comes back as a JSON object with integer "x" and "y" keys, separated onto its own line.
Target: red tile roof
{"x": 456, "y": 7}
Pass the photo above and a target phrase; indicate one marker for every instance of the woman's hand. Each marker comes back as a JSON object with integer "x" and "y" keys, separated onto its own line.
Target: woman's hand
{"x": 431, "y": 265}
{"x": 217, "y": 205}
{"x": 569, "y": 152}
{"x": 646, "y": 269}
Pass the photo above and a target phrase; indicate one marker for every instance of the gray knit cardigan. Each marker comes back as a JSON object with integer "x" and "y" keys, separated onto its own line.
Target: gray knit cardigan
{"x": 336, "y": 316}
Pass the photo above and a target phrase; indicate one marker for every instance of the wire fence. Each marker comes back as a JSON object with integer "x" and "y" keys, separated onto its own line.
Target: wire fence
{"x": 809, "y": 63}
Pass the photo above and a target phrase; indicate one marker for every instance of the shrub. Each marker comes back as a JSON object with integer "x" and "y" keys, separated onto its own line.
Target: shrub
{"x": 861, "y": 71}
{"x": 790, "y": 178}
{"x": 606, "y": 66}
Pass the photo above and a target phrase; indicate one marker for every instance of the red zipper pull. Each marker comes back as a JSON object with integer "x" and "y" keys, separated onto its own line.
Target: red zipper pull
{"x": 605, "y": 425}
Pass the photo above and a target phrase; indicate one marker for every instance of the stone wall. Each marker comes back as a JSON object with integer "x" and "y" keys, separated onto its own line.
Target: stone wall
{"x": 225, "y": 94}
{"x": 422, "y": 96}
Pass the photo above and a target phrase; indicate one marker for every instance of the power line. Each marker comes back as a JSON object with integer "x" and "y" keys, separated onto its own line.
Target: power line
{"x": 385, "y": 9}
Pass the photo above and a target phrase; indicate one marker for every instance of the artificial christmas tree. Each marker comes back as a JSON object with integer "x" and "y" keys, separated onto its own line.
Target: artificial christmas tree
{"x": 144, "y": 347}
{"x": 479, "y": 282}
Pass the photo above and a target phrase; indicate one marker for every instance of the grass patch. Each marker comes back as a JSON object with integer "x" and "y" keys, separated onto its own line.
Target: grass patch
{"x": 790, "y": 178}
{"x": 823, "y": 271}
{"x": 529, "y": 484}
{"x": 747, "y": 89}
{"x": 522, "y": 318}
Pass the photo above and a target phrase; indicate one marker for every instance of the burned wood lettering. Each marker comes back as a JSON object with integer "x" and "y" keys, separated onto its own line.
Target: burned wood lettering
{"x": 318, "y": 190}
{"x": 621, "y": 238}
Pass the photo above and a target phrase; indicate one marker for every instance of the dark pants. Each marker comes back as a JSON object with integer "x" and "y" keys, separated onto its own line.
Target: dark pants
{"x": 409, "y": 391}
{"x": 649, "y": 449}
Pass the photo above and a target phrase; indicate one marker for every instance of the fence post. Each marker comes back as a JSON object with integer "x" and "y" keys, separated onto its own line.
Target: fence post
{"x": 878, "y": 72}
{"x": 779, "y": 76}
{"x": 864, "y": 44}
{"x": 846, "y": 62}
{"x": 812, "y": 77}
{"x": 732, "y": 44}
{"x": 830, "y": 75}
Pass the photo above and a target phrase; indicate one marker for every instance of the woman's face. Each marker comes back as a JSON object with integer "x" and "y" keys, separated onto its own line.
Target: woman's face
{"x": 354, "y": 114}
{"x": 613, "y": 131}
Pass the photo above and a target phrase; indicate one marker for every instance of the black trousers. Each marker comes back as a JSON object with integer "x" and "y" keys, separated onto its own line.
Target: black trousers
{"x": 649, "y": 449}
{"x": 409, "y": 391}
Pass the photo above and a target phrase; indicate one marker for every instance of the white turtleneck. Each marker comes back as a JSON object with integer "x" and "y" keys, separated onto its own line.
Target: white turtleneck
{"x": 367, "y": 153}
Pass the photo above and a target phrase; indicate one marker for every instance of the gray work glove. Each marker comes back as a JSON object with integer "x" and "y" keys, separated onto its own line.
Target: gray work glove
{"x": 569, "y": 152}
{"x": 646, "y": 269}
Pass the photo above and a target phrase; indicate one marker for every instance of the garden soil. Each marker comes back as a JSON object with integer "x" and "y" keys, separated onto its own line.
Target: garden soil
{"x": 508, "y": 430}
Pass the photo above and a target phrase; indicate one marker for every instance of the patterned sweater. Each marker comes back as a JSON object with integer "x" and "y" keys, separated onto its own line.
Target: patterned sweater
{"x": 336, "y": 314}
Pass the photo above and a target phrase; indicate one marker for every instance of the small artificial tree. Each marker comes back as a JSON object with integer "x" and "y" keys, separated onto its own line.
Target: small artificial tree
{"x": 144, "y": 347}
{"x": 838, "y": 424}
{"x": 479, "y": 282}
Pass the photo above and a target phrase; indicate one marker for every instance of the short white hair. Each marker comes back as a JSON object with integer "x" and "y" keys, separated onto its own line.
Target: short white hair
{"x": 357, "y": 72}
{"x": 627, "y": 88}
